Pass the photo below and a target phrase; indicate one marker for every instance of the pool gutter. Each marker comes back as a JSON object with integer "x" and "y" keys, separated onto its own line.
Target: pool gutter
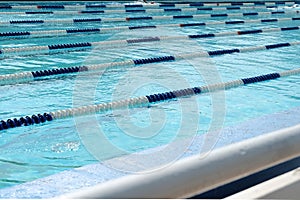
{"x": 285, "y": 186}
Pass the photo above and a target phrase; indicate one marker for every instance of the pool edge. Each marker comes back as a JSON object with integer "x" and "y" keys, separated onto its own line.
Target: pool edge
{"x": 90, "y": 175}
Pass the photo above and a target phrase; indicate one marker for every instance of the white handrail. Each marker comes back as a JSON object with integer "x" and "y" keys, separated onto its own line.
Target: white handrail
{"x": 197, "y": 174}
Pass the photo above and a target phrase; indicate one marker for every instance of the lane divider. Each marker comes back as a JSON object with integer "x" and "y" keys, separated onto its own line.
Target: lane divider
{"x": 228, "y": 8}
{"x": 128, "y": 19}
{"x": 155, "y": 5}
{"x": 30, "y": 76}
{"x": 141, "y": 101}
{"x": 120, "y": 43}
{"x": 25, "y": 34}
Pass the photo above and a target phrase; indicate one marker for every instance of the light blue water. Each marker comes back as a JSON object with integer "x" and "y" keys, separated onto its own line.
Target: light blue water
{"x": 32, "y": 152}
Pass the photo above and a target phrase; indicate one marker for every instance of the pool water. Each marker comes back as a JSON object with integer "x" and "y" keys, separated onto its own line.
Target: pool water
{"x": 32, "y": 152}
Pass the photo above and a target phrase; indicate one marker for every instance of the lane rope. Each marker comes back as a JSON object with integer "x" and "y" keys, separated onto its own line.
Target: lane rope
{"x": 166, "y": 10}
{"x": 30, "y": 76}
{"x": 25, "y": 34}
{"x": 156, "y": 5}
{"x": 122, "y": 43}
{"x": 129, "y": 19}
{"x": 141, "y": 101}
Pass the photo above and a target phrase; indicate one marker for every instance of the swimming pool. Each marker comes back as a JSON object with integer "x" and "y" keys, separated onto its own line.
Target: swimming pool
{"x": 124, "y": 69}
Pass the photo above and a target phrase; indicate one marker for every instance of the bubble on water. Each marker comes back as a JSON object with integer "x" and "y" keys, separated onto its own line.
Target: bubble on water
{"x": 65, "y": 146}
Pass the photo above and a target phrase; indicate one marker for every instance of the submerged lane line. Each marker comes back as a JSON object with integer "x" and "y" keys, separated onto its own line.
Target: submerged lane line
{"x": 30, "y": 76}
{"x": 141, "y": 101}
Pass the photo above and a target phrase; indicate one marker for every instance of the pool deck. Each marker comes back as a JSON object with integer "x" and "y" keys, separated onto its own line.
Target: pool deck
{"x": 90, "y": 175}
